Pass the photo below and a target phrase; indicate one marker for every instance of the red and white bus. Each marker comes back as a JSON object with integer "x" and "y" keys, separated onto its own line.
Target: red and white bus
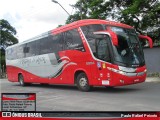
{"x": 85, "y": 53}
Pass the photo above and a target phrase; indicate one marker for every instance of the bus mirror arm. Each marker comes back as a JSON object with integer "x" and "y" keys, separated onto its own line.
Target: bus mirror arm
{"x": 148, "y": 39}
{"x": 114, "y": 37}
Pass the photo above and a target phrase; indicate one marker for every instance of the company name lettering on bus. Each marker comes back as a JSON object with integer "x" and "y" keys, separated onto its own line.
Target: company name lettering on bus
{"x": 89, "y": 63}
{"x": 33, "y": 60}
{"x": 71, "y": 45}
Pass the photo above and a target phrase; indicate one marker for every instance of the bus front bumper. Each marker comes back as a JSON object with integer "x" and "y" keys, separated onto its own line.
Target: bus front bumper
{"x": 121, "y": 78}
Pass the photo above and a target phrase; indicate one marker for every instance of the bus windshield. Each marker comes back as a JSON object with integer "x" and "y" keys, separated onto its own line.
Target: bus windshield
{"x": 129, "y": 51}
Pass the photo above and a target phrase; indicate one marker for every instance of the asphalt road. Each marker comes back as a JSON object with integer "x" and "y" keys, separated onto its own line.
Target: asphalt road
{"x": 139, "y": 97}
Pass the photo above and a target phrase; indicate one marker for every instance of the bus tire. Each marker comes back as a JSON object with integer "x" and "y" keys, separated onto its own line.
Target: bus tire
{"x": 21, "y": 80}
{"x": 82, "y": 82}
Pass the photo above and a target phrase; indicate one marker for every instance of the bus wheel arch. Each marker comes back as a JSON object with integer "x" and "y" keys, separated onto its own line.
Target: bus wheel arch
{"x": 81, "y": 80}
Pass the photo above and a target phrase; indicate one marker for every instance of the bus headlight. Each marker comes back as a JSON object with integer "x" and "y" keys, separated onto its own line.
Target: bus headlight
{"x": 123, "y": 73}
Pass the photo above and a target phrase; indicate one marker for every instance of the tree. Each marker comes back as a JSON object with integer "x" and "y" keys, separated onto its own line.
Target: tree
{"x": 82, "y": 7}
{"x": 144, "y": 15}
{"x": 7, "y": 38}
{"x": 7, "y": 34}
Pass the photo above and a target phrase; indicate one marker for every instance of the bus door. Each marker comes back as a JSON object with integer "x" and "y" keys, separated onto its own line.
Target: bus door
{"x": 102, "y": 55}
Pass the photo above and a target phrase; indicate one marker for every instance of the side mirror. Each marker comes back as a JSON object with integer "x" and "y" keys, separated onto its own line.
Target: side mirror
{"x": 148, "y": 39}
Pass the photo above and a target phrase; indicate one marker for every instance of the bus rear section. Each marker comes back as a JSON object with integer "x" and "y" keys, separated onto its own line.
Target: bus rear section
{"x": 86, "y": 53}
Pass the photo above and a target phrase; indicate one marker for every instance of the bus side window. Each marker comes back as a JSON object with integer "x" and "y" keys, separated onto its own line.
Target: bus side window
{"x": 73, "y": 41}
{"x": 44, "y": 45}
{"x": 11, "y": 53}
{"x": 68, "y": 41}
{"x": 89, "y": 29}
{"x": 60, "y": 39}
{"x": 20, "y": 51}
{"x": 49, "y": 44}
{"x": 53, "y": 44}
{"x": 103, "y": 49}
{"x": 88, "y": 32}
{"x": 32, "y": 49}
{"x": 78, "y": 44}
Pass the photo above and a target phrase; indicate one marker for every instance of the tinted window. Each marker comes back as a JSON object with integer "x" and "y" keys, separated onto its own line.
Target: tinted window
{"x": 20, "y": 51}
{"x": 31, "y": 49}
{"x": 73, "y": 40}
{"x": 98, "y": 43}
{"x": 88, "y": 32}
{"x": 50, "y": 44}
{"x": 89, "y": 29}
{"x": 11, "y": 53}
{"x": 57, "y": 41}
{"x": 60, "y": 38}
{"x": 102, "y": 48}
{"x": 43, "y": 44}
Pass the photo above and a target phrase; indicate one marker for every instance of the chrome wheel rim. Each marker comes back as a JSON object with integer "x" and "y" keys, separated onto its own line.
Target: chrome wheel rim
{"x": 21, "y": 81}
{"x": 83, "y": 82}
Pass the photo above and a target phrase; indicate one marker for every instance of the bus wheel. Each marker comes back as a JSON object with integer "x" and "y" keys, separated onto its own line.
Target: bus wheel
{"x": 82, "y": 82}
{"x": 21, "y": 80}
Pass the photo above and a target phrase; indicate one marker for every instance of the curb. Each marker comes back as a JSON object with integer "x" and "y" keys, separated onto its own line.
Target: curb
{"x": 152, "y": 79}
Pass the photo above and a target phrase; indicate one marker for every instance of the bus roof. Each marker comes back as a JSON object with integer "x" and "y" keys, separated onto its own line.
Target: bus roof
{"x": 87, "y": 22}
{"x": 74, "y": 25}
{"x": 45, "y": 34}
